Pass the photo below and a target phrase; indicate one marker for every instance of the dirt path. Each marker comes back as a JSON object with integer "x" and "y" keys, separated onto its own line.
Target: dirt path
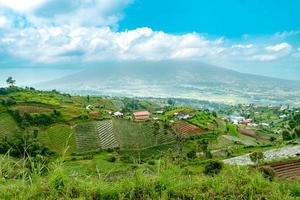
{"x": 284, "y": 152}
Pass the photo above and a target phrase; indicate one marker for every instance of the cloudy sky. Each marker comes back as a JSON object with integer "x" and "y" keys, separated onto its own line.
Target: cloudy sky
{"x": 254, "y": 36}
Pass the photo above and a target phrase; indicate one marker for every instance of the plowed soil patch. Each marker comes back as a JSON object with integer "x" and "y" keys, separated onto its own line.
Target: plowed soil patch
{"x": 187, "y": 129}
{"x": 288, "y": 170}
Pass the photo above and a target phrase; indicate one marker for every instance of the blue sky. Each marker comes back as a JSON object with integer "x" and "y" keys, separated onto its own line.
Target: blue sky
{"x": 229, "y": 18}
{"x": 253, "y": 36}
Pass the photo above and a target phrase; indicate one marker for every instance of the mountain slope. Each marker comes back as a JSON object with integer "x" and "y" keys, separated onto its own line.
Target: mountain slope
{"x": 184, "y": 79}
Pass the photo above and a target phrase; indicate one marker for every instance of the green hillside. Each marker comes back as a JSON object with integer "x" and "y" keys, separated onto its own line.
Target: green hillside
{"x": 61, "y": 151}
{"x": 8, "y": 126}
{"x": 59, "y": 138}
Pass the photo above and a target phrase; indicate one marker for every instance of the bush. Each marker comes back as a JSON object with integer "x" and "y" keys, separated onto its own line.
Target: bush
{"x": 191, "y": 155}
{"x": 151, "y": 162}
{"x": 213, "y": 168}
{"x": 286, "y": 135}
{"x": 267, "y": 172}
{"x": 256, "y": 157}
{"x": 20, "y": 145}
{"x": 127, "y": 159}
{"x": 111, "y": 159}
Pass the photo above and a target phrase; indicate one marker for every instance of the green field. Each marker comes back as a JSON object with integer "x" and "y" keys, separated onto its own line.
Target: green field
{"x": 8, "y": 126}
{"x": 137, "y": 135}
{"x": 59, "y": 138}
{"x": 87, "y": 137}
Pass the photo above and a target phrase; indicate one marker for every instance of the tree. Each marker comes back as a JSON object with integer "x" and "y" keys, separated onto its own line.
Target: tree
{"x": 213, "y": 168}
{"x": 171, "y": 102}
{"x": 191, "y": 154}
{"x": 256, "y": 157}
{"x": 10, "y": 81}
{"x": 203, "y": 146}
{"x": 286, "y": 135}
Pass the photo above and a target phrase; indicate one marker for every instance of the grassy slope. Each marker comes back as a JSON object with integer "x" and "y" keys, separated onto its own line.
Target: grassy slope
{"x": 59, "y": 138}
{"x": 8, "y": 126}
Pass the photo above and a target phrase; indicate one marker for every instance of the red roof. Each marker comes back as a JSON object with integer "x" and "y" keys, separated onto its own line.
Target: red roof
{"x": 142, "y": 113}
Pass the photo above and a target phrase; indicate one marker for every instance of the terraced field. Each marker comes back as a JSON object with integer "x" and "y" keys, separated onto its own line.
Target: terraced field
{"x": 118, "y": 132}
{"x": 137, "y": 135}
{"x": 32, "y": 109}
{"x": 288, "y": 170}
{"x": 252, "y": 133}
{"x": 186, "y": 129}
{"x": 106, "y": 134}
{"x": 87, "y": 137}
{"x": 59, "y": 138}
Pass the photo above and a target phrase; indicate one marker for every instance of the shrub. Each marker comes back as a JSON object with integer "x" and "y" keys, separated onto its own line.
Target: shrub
{"x": 111, "y": 159}
{"x": 191, "y": 155}
{"x": 213, "y": 168}
{"x": 256, "y": 157}
{"x": 127, "y": 159}
{"x": 151, "y": 162}
{"x": 286, "y": 135}
{"x": 267, "y": 172}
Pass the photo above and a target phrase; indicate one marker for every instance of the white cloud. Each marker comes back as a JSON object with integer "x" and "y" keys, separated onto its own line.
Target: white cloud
{"x": 264, "y": 57}
{"x": 90, "y": 44}
{"x": 241, "y": 46}
{"x": 56, "y": 44}
{"x": 45, "y": 13}
{"x": 49, "y": 31}
{"x": 279, "y": 47}
{"x": 3, "y": 21}
{"x": 22, "y": 5}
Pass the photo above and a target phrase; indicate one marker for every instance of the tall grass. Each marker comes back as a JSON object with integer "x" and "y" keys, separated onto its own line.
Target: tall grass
{"x": 32, "y": 178}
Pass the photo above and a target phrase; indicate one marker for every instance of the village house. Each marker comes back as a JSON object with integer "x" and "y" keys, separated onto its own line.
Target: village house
{"x": 159, "y": 112}
{"x": 183, "y": 115}
{"x": 141, "y": 116}
{"x": 118, "y": 114}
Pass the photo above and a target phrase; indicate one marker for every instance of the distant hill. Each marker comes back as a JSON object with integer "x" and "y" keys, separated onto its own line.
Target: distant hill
{"x": 182, "y": 79}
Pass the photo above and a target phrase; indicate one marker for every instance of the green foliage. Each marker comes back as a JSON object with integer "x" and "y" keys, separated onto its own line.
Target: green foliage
{"x": 23, "y": 145}
{"x": 213, "y": 168}
{"x": 137, "y": 135}
{"x": 256, "y": 156}
{"x": 58, "y": 138}
{"x": 232, "y": 129}
{"x": 204, "y": 120}
{"x": 111, "y": 159}
{"x": 171, "y": 102}
{"x": 286, "y": 135}
{"x": 10, "y": 81}
{"x": 267, "y": 172}
{"x": 191, "y": 154}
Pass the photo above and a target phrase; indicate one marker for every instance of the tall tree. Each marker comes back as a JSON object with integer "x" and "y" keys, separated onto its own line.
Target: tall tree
{"x": 10, "y": 81}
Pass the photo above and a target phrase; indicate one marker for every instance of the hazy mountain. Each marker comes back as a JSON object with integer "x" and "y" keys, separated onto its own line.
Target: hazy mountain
{"x": 185, "y": 79}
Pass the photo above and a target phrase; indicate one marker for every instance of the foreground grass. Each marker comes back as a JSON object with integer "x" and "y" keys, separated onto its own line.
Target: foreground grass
{"x": 163, "y": 180}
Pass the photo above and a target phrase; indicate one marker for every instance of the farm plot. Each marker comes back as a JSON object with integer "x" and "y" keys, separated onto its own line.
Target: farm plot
{"x": 87, "y": 137}
{"x": 186, "y": 129}
{"x": 252, "y": 133}
{"x": 106, "y": 134}
{"x": 289, "y": 170}
{"x": 32, "y": 109}
{"x": 138, "y": 135}
{"x": 8, "y": 126}
{"x": 59, "y": 138}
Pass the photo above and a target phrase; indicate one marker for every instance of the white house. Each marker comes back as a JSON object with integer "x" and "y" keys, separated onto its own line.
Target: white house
{"x": 118, "y": 114}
